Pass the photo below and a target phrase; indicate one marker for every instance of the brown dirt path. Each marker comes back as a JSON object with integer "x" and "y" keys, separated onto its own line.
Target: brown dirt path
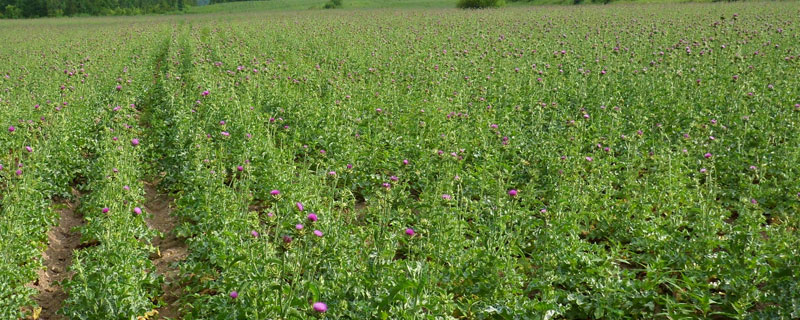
{"x": 170, "y": 249}
{"x": 62, "y": 241}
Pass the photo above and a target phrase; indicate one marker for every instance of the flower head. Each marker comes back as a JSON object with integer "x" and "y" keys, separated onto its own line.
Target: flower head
{"x": 317, "y": 233}
{"x": 410, "y": 232}
{"x": 134, "y": 142}
{"x": 300, "y": 206}
{"x": 312, "y": 217}
{"x": 137, "y": 211}
{"x": 275, "y": 192}
{"x": 319, "y": 307}
{"x": 234, "y": 294}
{"x": 512, "y": 192}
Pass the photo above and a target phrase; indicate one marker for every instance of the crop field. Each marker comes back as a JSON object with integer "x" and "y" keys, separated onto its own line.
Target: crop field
{"x": 589, "y": 162}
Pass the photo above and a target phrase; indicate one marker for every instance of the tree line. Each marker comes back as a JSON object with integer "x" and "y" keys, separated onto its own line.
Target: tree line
{"x": 57, "y": 8}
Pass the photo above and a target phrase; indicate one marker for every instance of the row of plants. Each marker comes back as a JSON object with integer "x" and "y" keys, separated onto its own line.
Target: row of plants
{"x": 114, "y": 277}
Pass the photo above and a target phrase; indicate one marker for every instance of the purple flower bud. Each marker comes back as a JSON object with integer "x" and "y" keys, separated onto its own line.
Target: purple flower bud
{"x": 234, "y": 294}
{"x": 332, "y": 173}
{"x": 410, "y": 232}
{"x": 275, "y": 192}
{"x": 134, "y": 142}
{"x": 512, "y": 192}
{"x": 254, "y": 234}
{"x": 405, "y": 161}
{"x": 312, "y": 217}
{"x": 320, "y": 307}
{"x": 11, "y": 129}
{"x": 19, "y": 172}
{"x": 446, "y": 197}
{"x": 28, "y": 148}
{"x": 105, "y": 210}
{"x": 240, "y": 168}
{"x": 300, "y": 206}
{"x": 707, "y": 155}
{"x": 298, "y": 226}
{"x": 137, "y": 211}
{"x": 287, "y": 239}
{"x": 317, "y": 233}
{"x": 349, "y": 166}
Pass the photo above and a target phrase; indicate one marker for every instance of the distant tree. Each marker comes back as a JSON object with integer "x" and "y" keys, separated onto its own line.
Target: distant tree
{"x": 477, "y": 4}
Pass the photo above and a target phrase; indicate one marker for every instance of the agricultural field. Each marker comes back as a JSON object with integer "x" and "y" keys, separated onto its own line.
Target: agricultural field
{"x": 628, "y": 161}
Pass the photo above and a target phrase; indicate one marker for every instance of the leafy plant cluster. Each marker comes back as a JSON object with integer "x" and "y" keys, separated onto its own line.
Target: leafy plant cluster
{"x": 615, "y": 163}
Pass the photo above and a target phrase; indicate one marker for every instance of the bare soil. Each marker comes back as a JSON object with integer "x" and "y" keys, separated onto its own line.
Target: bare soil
{"x": 171, "y": 249}
{"x": 62, "y": 241}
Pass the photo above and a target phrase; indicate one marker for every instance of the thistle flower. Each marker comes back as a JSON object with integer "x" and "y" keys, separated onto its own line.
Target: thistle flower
{"x": 137, "y": 211}
{"x": 318, "y": 233}
{"x": 254, "y": 234}
{"x": 298, "y": 226}
{"x": 512, "y": 192}
{"x": 446, "y": 197}
{"x": 312, "y": 217}
{"x": 134, "y": 142}
{"x": 300, "y": 206}
{"x": 105, "y": 210}
{"x": 275, "y": 192}
{"x": 707, "y": 155}
{"x": 410, "y": 232}
{"x": 28, "y": 148}
{"x": 234, "y": 294}
{"x": 11, "y": 129}
{"x": 239, "y": 168}
{"x": 320, "y": 307}
{"x": 405, "y": 161}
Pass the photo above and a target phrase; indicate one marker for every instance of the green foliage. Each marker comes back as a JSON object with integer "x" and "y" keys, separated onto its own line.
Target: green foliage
{"x": 600, "y": 119}
{"x": 332, "y": 4}
{"x": 478, "y": 4}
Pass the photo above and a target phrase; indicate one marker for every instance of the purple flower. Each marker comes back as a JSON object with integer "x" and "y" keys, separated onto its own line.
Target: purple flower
{"x": 275, "y": 192}
{"x": 405, "y": 161}
{"x": 11, "y": 129}
{"x": 298, "y": 226}
{"x": 312, "y": 217}
{"x": 703, "y": 170}
{"x": 119, "y": 88}
{"x": 349, "y": 166}
{"x": 707, "y": 155}
{"x": 222, "y": 123}
{"x": 240, "y": 168}
{"x": 387, "y": 185}
{"x": 254, "y": 234}
{"x": 234, "y": 294}
{"x": 753, "y": 201}
{"x": 317, "y": 233}
{"x": 393, "y": 178}
{"x": 126, "y": 188}
{"x": 446, "y": 196}
{"x": 410, "y": 232}
{"x": 105, "y": 210}
{"x": 320, "y": 307}
{"x": 28, "y": 148}
{"x": 19, "y": 172}
{"x": 287, "y": 239}
{"x": 137, "y": 211}
{"x": 225, "y": 133}
{"x": 589, "y": 159}
{"x": 300, "y": 206}
{"x": 753, "y": 167}
{"x": 134, "y": 142}
{"x": 205, "y": 93}
{"x": 332, "y": 173}
{"x": 512, "y": 192}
